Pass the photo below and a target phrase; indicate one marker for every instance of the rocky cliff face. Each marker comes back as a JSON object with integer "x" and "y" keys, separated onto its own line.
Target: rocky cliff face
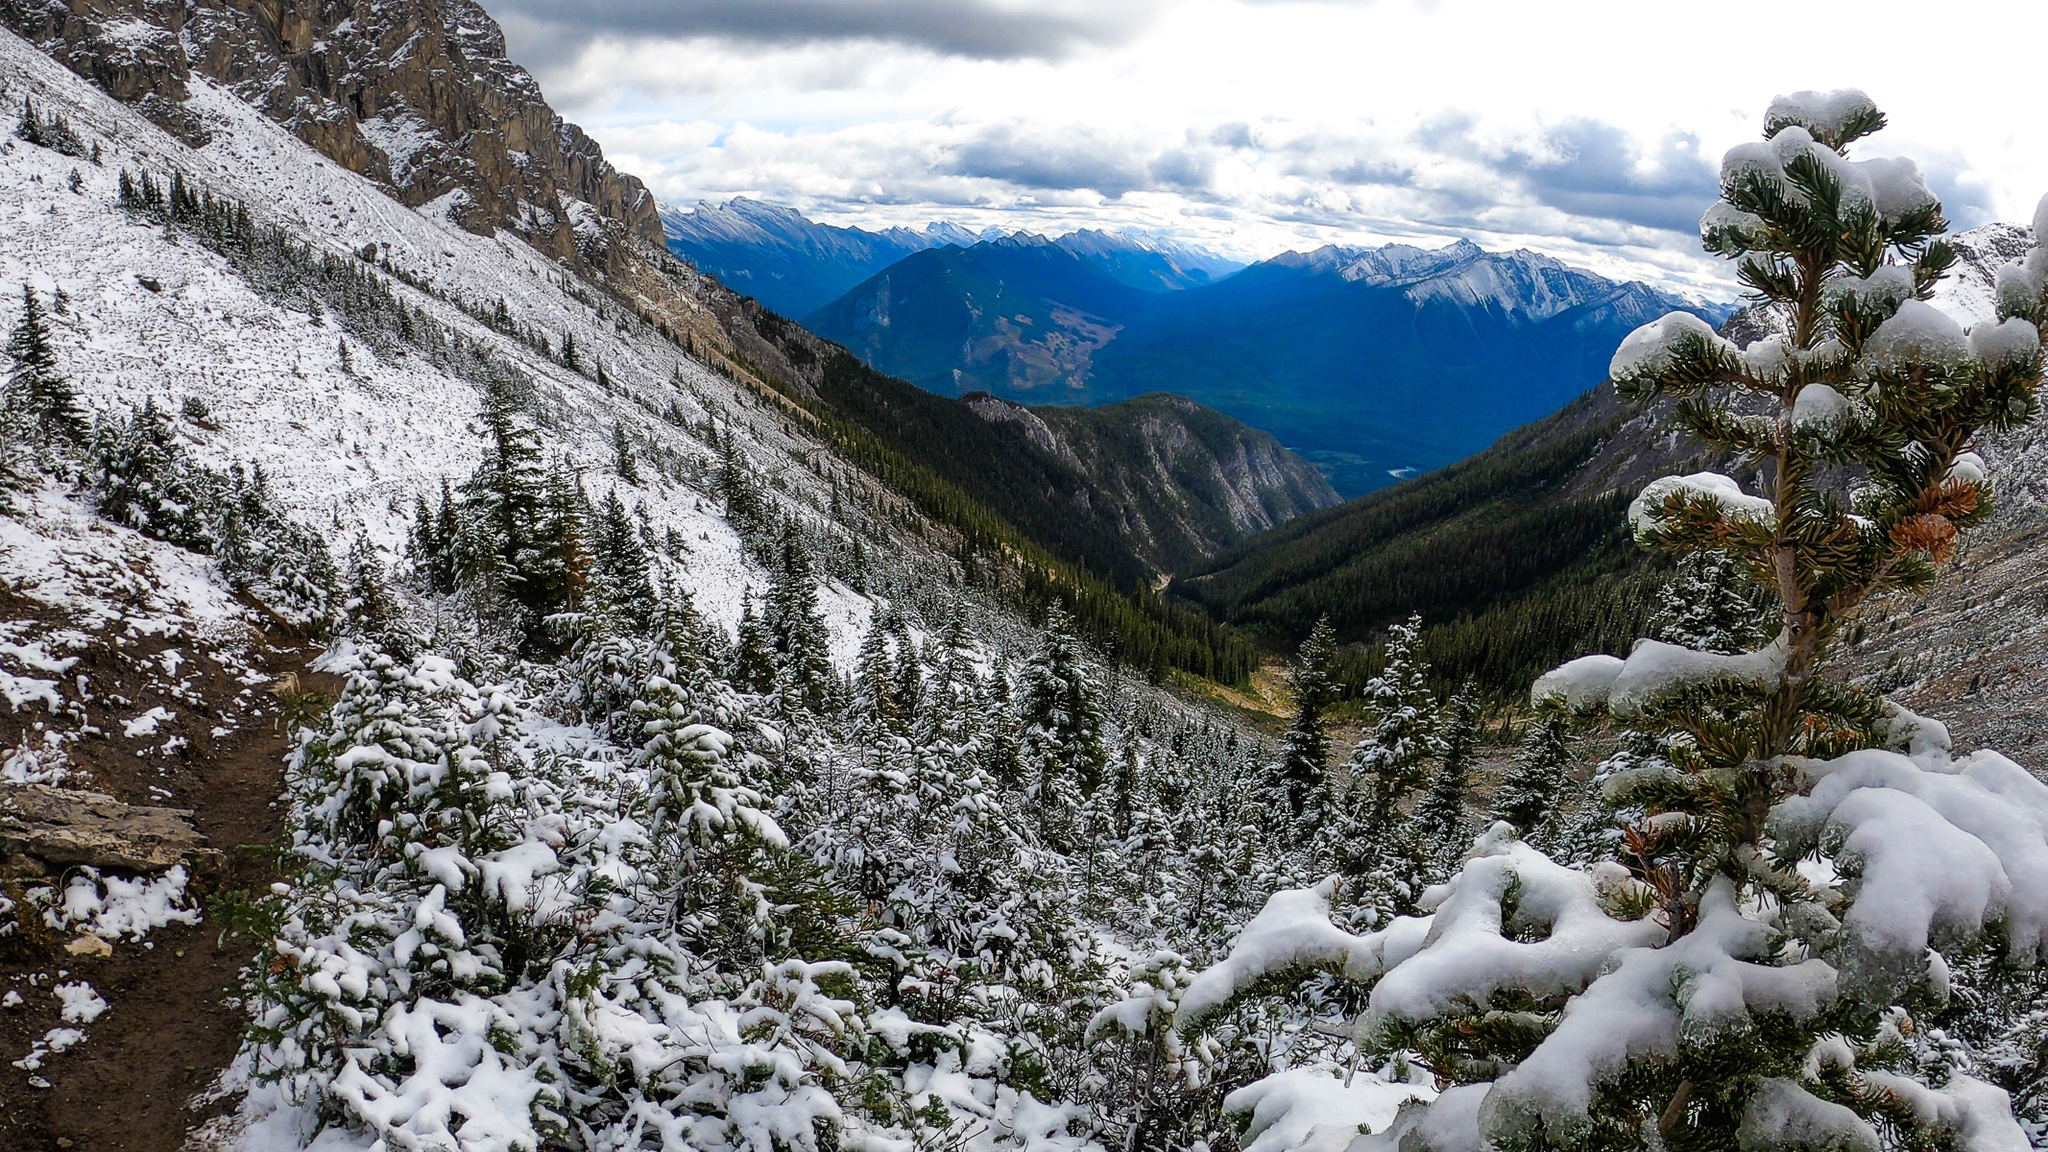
{"x": 1183, "y": 481}
{"x": 415, "y": 94}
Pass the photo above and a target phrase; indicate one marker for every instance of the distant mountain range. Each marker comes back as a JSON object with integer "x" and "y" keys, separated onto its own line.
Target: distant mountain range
{"x": 1372, "y": 362}
{"x": 795, "y": 265}
{"x": 1520, "y": 557}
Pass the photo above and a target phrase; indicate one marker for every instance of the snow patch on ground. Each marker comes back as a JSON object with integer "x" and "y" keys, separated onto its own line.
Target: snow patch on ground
{"x": 112, "y": 907}
{"x": 81, "y": 1004}
{"x": 145, "y": 724}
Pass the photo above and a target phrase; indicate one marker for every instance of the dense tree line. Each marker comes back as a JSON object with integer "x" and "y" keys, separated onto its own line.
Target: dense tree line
{"x": 1508, "y": 569}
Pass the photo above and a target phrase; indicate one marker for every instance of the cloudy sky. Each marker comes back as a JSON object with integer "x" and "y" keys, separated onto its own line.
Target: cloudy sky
{"x": 1590, "y": 129}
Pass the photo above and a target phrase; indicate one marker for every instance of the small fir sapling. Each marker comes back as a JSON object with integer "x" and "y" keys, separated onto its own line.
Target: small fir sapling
{"x": 1532, "y": 793}
{"x": 1441, "y": 812}
{"x": 1303, "y": 771}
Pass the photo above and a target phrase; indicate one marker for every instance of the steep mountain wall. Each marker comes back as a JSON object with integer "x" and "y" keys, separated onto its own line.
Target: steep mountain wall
{"x": 1183, "y": 481}
{"x": 417, "y": 95}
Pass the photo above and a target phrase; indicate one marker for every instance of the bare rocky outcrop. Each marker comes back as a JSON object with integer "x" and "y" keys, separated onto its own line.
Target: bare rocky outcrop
{"x": 42, "y": 828}
{"x": 416, "y": 94}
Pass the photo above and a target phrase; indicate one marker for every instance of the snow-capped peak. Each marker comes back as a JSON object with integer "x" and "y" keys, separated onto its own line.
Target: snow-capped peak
{"x": 1524, "y": 284}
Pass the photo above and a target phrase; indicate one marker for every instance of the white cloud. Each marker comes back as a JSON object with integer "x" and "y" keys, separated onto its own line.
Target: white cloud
{"x": 1590, "y": 129}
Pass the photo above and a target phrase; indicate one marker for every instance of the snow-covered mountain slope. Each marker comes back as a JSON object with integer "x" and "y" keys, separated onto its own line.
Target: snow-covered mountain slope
{"x": 417, "y": 95}
{"x": 1967, "y": 291}
{"x": 349, "y": 447}
{"x": 743, "y": 220}
{"x": 1153, "y": 263}
{"x": 789, "y": 263}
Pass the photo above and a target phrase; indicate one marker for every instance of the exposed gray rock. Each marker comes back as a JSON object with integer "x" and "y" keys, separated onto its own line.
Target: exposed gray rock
{"x": 43, "y": 827}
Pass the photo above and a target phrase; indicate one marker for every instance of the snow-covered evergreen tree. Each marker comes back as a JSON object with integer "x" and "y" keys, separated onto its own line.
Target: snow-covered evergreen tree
{"x": 1440, "y": 814}
{"x": 48, "y": 131}
{"x": 1404, "y": 737}
{"x": 1532, "y": 794}
{"x": 390, "y": 932}
{"x": 623, "y": 461}
{"x": 433, "y": 542}
{"x": 708, "y": 827}
{"x": 908, "y": 664}
{"x": 38, "y": 400}
{"x": 280, "y": 561}
{"x": 513, "y": 516}
{"x": 795, "y": 632}
{"x": 1061, "y": 744}
{"x": 1805, "y": 859}
{"x": 1000, "y": 744}
{"x": 751, "y": 667}
{"x": 140, "y": 477}
{"x": 1303, "y": 771}
{"x": 621, "y": 582}
{"x": 1709, "y": 606}
{"x": 874, "y": 682}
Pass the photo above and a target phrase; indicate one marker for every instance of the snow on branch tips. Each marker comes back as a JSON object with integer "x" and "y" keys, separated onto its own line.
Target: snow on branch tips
{"x": 1702, "y": 494}
{"x": 1513, "y": 930}
{"x": 1653, "y": 670}
{"x": 1676, "y": 340}
{"x": 1290, "y": 936}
